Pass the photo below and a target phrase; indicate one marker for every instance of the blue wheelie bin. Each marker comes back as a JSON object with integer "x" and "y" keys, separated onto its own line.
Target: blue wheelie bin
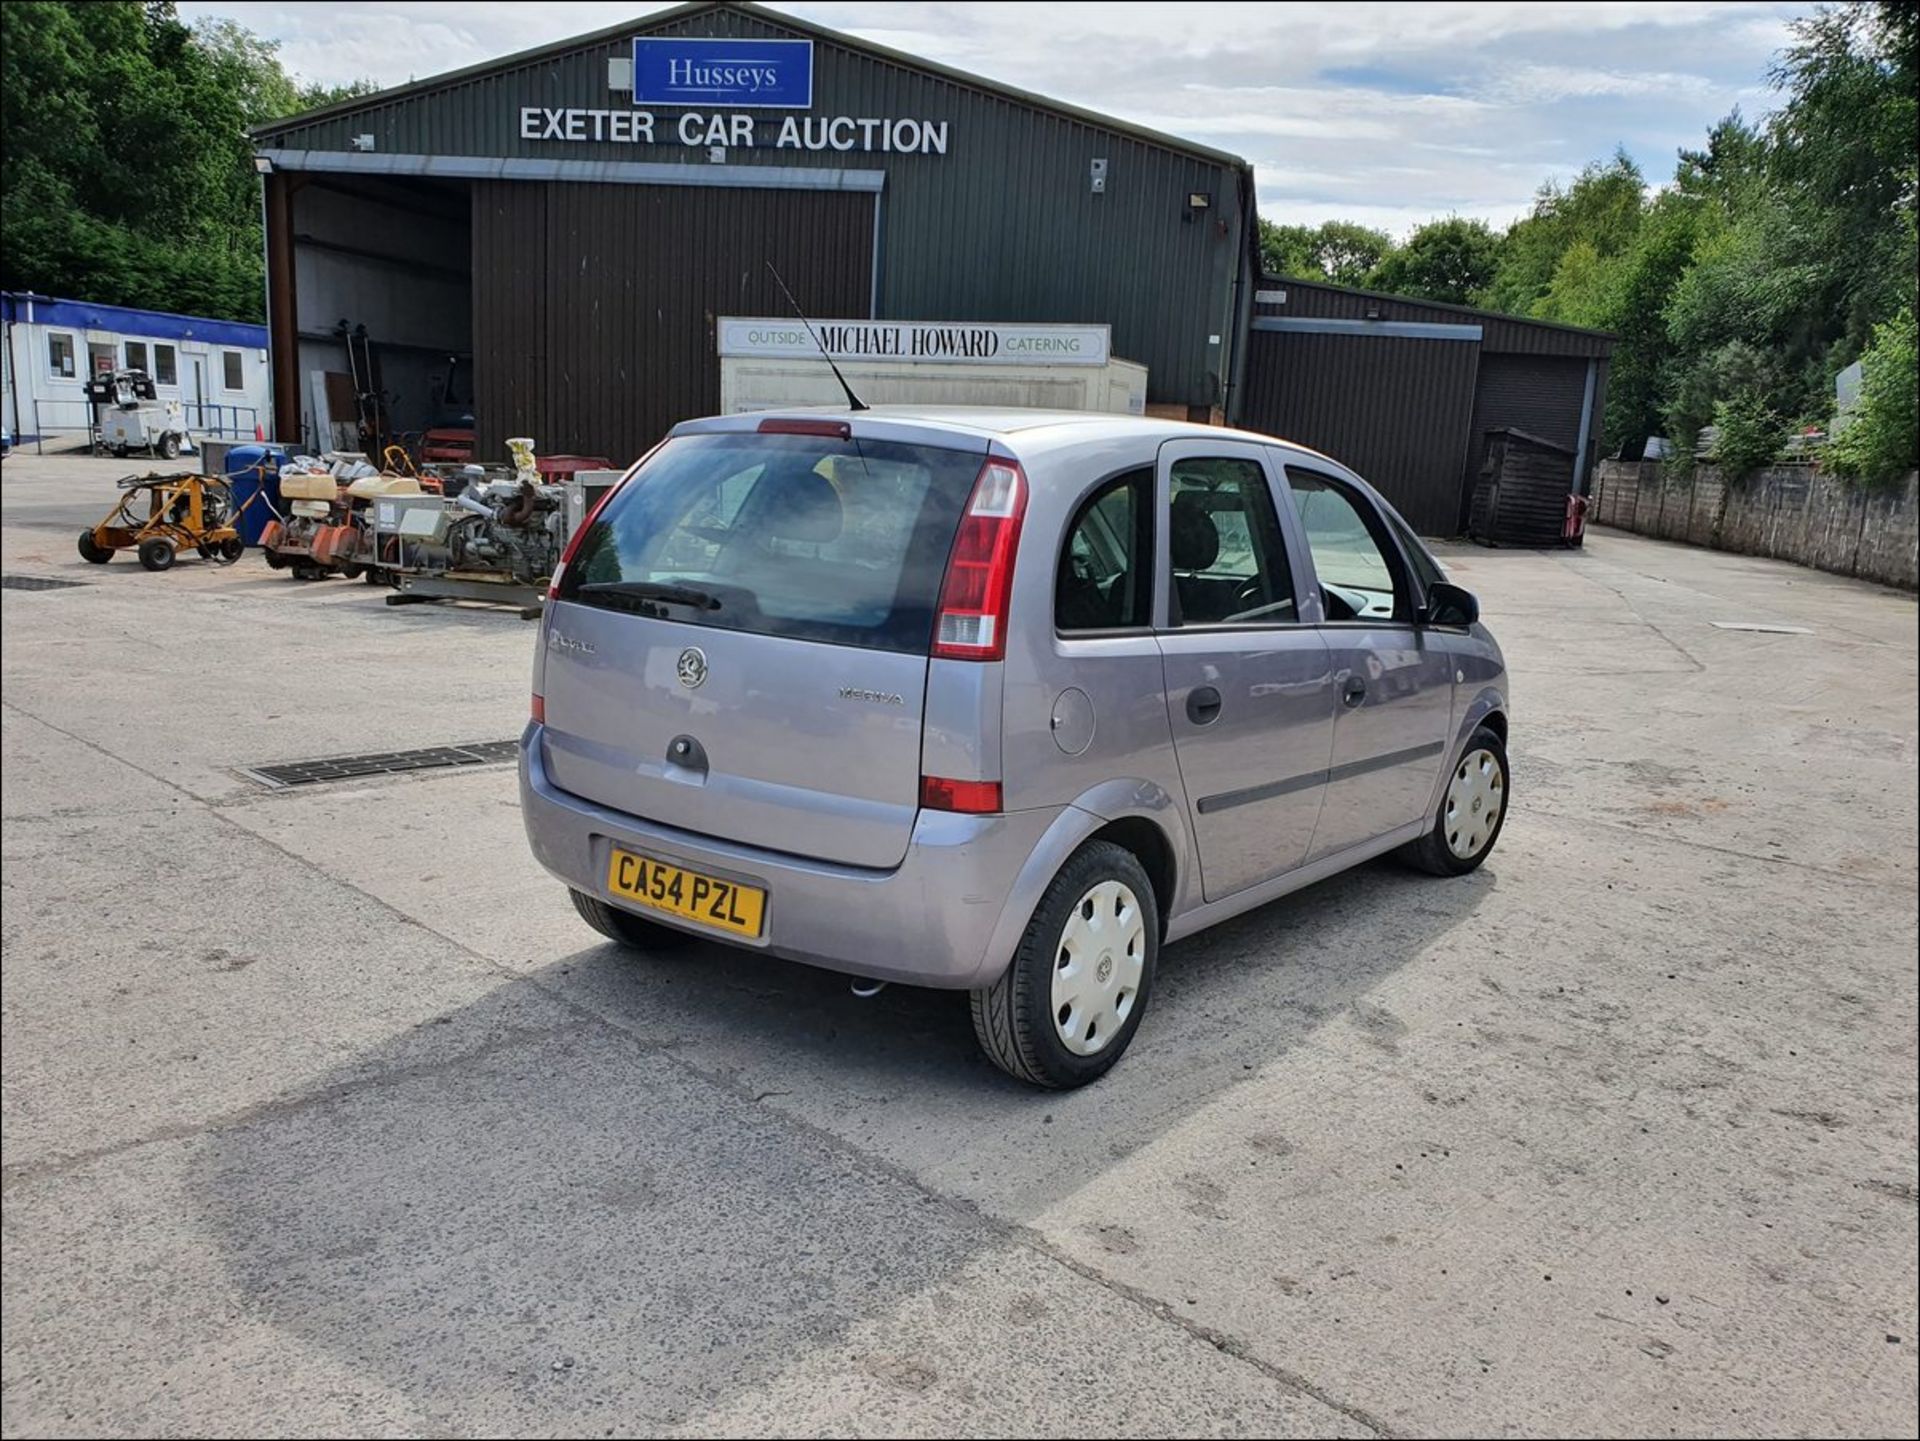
{"x": 252, "y": 469}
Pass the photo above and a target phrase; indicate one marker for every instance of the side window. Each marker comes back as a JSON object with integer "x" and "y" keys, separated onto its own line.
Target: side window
{"x": 1353, "y": 555}
{"x": 1229, "y": 561}
{"x": 231, "y": 375}
{"x": 136, "y": 355}
{"x": 165, "y": 365}
{"x": 1105, "y": 580}
{"x": 1426, "y": 570}
{"x": 60, "y": 356}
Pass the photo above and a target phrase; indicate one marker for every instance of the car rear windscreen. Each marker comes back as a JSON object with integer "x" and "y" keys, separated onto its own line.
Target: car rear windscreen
{"x": 807, "y": 536}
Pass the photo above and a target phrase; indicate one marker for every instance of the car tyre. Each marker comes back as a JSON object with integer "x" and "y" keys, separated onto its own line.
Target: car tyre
{"x": 627, "y": 928}
{"x": 157, "y": 554}
{"x": 1085, "y": 961}
{"x": 92, "y": 551}
{"x": 1471, "y": 813}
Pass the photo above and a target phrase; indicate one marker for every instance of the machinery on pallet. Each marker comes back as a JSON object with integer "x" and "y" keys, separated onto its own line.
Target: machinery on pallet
{"x": 468, "y": 533}
{"x": 181, "y": 512}
{"x": 493, "y": 538}
{"x": 128, "y": 415}
{"x": 323, "y": 530}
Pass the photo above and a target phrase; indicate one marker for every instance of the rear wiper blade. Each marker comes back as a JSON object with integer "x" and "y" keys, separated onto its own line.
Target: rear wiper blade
{"x": 653, "y": 590}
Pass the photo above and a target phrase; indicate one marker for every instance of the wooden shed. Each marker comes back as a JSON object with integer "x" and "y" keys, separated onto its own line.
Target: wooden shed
{"x": 1523, "y": 492}
{"x": 1408, "y": 392}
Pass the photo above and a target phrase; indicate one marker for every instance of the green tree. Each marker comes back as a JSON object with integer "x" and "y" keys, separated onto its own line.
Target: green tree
{"x": 1878, "y": 441}
{"x": 1749, "y": 437}
{"x": 1350, "y": 253}
{"x": 126, "y": 173}
{"x": 1450, "y": 260}
{"x": 1602, "y": 208}
{"x": 1636, "y": 302}
{"x": 1288, "y": 250}
{"x": 1338, "y": 250}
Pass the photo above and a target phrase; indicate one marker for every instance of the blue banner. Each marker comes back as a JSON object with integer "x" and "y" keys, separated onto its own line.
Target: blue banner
{"x": 742, "y": 74}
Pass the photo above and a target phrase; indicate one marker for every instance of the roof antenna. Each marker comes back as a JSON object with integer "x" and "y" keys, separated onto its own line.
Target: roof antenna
{"x": 854, "y": 402}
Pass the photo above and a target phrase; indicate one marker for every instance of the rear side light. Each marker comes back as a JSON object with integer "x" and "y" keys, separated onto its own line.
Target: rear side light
{"x": 971, "y": 621}
{"x": 973, "y": 798}
{"x": 539, "y": 709}
{"x": 838, "y": 429}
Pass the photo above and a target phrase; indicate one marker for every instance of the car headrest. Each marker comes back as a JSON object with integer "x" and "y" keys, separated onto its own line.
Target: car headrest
{"x": 1193, "y": 538}
{"x": 805, "y": 507}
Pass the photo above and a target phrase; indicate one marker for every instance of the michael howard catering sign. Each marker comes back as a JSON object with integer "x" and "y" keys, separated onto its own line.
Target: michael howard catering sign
{"x": 743, "y": 74}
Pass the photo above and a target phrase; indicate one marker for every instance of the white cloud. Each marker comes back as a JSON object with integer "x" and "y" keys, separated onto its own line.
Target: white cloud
{"x": 1536, "y": 84}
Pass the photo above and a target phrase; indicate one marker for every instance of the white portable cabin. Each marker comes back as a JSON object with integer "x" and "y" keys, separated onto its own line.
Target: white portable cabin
{"x": 766, "y": 363}
{"x": 216, "y": 370}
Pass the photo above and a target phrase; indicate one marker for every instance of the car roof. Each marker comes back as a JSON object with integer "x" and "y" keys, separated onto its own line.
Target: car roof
{"x": 1001, "y": 420}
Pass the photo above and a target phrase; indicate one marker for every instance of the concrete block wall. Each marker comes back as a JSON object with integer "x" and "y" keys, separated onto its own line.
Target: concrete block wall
{"x": 1789, "y": 512}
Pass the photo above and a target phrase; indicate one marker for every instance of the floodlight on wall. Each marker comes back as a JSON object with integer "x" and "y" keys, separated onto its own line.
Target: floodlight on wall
{"x": 362, "y": 142}
{"x": 1198, "y": 203}
{"x": 262, "y": 164}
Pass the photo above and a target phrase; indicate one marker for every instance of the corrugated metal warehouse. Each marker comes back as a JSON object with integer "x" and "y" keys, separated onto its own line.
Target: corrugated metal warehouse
{"x": 1408, "y": 391}
{"x": 547, "y": 242}
{"x": 550, "y": 216}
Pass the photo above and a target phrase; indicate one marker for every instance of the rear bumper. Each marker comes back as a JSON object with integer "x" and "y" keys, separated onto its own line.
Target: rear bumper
{"x": 927, "y": 922}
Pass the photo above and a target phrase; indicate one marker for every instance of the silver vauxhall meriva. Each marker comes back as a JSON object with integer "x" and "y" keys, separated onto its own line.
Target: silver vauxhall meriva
{"x": 997, "y": 701}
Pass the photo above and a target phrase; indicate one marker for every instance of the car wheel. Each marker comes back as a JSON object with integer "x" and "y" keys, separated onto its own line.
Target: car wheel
{"x": 1472, "y": 810}
{"x": 627, "y": 928}
{"x": 157, "y": 554}
{"x": 1067, "y": 1005}
{"x": 92, "y": 551}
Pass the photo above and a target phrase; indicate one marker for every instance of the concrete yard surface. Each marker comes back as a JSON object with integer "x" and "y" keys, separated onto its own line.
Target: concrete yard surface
{"x": 323, "y": 1113}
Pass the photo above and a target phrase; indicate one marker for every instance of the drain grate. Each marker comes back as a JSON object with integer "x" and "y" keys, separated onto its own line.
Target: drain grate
{"x": 346, "y": 768}
{"x": 38, "y": 582}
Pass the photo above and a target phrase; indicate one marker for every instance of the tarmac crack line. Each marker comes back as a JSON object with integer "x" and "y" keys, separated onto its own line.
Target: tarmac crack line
{"x": 1587, "y": 822}
{"x": 1691, "y": 659}
{"x": 13, "y": 1176}
{"x": 1010, "y": 1232}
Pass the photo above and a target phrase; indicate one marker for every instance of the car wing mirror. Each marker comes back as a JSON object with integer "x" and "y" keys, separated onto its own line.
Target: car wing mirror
{"x": 1451, "y": 605}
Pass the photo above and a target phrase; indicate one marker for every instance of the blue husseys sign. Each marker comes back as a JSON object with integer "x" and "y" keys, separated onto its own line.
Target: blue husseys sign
{"x": 743, "y": 74}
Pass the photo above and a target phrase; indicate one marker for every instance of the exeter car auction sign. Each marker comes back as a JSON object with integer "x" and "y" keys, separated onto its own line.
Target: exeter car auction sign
{"x": 937, "y": 342}
{"x": 720, "y": 83}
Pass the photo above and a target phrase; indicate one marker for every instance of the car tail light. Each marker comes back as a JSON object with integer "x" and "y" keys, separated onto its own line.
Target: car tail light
{"x": 973, "y": 798}
{"x": 539, "y": 709}
{"x": 971, "y": 621}
{"x": 838, "y": 429}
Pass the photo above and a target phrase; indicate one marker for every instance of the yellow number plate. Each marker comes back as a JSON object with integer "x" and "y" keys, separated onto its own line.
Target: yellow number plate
{"x": 687, "y": 894}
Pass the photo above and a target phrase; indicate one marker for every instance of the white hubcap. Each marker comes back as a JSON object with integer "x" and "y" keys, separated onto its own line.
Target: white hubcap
{"x": 1096, "y": 969}
{"x": 1475, "y": 797}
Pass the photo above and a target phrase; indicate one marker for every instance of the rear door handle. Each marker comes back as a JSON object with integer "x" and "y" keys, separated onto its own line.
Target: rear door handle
{"x": 1354, "y": 691}
{"x": 1203, "y": 705}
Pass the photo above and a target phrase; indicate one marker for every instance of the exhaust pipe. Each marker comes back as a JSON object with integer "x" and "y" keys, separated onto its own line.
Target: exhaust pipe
{"x": 867, "y": 990}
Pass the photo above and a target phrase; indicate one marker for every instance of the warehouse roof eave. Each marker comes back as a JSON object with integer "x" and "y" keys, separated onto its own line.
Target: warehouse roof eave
{"x": 1320, "y": 284}
{"x": 433, "y": 83}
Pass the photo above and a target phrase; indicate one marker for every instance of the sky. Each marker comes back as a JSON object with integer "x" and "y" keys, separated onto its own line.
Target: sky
{"x": 1388, "y": 114}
